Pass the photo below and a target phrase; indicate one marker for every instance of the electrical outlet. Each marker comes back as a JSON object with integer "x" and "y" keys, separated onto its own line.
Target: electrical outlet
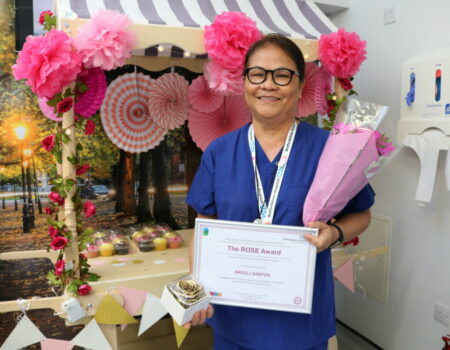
{"x": 442, "y": 314}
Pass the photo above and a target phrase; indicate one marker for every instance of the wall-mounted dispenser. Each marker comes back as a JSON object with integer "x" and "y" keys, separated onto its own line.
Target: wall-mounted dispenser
{"x": 425, "y": 114}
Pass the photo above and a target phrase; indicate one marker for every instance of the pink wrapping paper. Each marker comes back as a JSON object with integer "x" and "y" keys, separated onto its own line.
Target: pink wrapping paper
{"x": 340, "y": 174}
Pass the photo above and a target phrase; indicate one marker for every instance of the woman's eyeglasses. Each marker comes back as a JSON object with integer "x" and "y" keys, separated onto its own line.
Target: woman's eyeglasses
{"x": 280, "y": 76}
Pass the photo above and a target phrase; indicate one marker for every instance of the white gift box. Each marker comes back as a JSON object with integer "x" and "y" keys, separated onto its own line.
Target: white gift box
{"x": 180, "y": 313}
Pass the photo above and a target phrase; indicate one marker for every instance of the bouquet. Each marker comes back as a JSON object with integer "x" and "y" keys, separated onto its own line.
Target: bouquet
{"x": 354, "y": 152}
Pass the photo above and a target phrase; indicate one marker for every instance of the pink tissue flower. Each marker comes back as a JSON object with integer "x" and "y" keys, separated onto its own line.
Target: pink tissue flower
{"x": 53, "y": 231}
{"x": 42, "y": 16}
{"x": 56, "y": 198}
{"x": 48, "y": 143}
{"x": 84, "y": 289}
{"x": 384, "y": 147}
{"x": 228, "y": 38}
{"x": 48, "y": 210}
{"x": 105, "y": 40}
{"x": 59, "y": 267}
{"x": 89, "y": 128}
{"x": 341, "y": 53}
{"x": 89, "y": 209}
{"x": 222, "y": 80}
{"x": 59, "y": 243}
{"x": 82, "y": 169}
{"x": 48, "y": 63}
{"x": 64, "y": 105}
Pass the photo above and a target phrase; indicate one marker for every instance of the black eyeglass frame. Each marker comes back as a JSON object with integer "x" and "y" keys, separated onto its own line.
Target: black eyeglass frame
{"x": 272, "y": 71}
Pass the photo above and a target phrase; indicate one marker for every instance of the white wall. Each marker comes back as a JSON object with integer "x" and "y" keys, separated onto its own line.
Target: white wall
{"x": 420, "y": 244}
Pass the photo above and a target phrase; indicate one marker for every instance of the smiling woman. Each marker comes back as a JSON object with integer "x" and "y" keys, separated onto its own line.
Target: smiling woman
{"x": 262, "y": 173}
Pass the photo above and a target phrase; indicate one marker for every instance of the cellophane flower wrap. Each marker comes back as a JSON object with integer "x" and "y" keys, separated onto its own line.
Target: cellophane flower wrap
{"x": 105, "y": 41}
{"x": 48, "y": 62}
{"x": 351, "y": 156}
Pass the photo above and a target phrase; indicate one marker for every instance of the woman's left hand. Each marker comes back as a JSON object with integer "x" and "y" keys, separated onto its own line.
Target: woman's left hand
{"x": 327, "y": 235}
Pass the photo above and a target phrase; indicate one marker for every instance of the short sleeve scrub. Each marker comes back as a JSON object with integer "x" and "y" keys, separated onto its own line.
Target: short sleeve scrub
{"x": 224, "y": 186}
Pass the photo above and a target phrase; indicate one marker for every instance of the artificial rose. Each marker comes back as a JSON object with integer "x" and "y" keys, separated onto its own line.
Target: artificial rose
{"x": 346, "y": 84}
{"x": 64, "y": 105}
{"x": 42, "y": 16}
{"x": 82, "y": 169}
{"x": 105, "y": 41}
{"x": 228, "y": 38}
{"x": 48, "y": 143}
{"x": 59, "y": 243}
{"x": 331, "y": 105}
{"x": 59, "y": 267}
{"x": 56, "y": 198}
{"x": 48, "y": 210}
{"x": 48, "y": 63}
{"x": 90, "y": 127}
{"x": 341, "y": 53}
{"x": 84, "y": 289}
{"x": 89, "y": 209}
{"x": 53, "y": 231}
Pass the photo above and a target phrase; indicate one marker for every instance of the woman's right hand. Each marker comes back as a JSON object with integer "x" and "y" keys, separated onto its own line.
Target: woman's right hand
{"x": 200, "y": 317}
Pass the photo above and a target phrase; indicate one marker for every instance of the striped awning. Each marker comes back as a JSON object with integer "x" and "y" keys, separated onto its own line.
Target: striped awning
{"x": 298, "y": 19}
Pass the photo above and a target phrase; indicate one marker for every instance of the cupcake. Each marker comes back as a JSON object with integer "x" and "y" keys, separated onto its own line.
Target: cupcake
{"x": 99, "y": 235}
{"x": 145, "y": 244}
{"x": 137, "y": 235}
{"x": 174, "y": 241}
{"x": 121, "y": 246}
{"x": 91, "y": 251}
{"x": 169, "y": 234}
{"x": 160, "y": 243}
{"x": 106, "y": 249}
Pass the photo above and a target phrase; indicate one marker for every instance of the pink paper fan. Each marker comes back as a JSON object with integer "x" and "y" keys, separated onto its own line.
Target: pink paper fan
{"x": 91, "y": 100}
{"x": 306, "y": 104}
{"x": 202, "y": 98}
{"x": 206, "y": 127}
{"x": 323, "y": 88}
{"x": 125, "y": 115}
{"x": 47, "y": 110}
{"x": 168, "y": 101}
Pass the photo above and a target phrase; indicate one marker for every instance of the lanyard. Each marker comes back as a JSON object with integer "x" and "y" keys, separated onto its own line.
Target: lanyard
{"x": 267, "y": 211}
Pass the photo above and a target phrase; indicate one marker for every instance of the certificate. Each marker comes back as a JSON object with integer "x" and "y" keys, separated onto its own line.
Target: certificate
{"x": 255, "y": 265}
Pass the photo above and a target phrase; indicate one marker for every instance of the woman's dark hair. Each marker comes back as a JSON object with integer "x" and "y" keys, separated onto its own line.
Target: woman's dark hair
{"x": 285, "y": 44}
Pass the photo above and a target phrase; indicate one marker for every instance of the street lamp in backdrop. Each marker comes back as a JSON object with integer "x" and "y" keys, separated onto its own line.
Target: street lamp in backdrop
{"x": 21, "y": 133}
{"x": 27, "y": 156}
{"x": 2, "y": 172}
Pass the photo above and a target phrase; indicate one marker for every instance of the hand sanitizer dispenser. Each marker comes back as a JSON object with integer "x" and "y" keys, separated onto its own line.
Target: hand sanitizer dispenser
{"x": 425, "y": 114}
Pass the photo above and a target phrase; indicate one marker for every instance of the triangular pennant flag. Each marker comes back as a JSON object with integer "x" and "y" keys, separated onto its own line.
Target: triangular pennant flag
{"x": 56, "y": 344}
{"x": 344, "y": 274}
{"x": 153, "y": 311}
{"x": 180, "y": 333}
{"x": 110, "y": 312}
{"x": 25, "y": 333}
{"x": 91, "y": 337}
{"x": 133, "y": 300}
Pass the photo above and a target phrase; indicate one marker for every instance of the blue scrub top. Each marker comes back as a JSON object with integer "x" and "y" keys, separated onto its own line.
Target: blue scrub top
{"x": 224, "y": 186}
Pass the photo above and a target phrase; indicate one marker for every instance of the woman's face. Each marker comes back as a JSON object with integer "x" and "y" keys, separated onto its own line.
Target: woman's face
{"x": 269, "y": 102}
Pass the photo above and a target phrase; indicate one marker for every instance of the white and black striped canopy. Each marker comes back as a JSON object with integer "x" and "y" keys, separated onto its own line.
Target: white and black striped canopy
{"x": 293, "y": 18}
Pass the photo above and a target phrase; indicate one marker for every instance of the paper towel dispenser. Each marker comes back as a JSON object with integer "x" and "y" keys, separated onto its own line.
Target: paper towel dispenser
{"x": 425, "y": 113}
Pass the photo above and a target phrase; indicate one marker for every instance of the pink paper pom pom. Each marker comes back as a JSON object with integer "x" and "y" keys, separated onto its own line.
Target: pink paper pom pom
{"x": 342, "y": 53}
{"x": 49, "y": 63}
{"x": 222, "y": 80}
{"x": 228, "y": 38}
{"x": 104, "y": 41}
{"x": 202, "y": 98}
